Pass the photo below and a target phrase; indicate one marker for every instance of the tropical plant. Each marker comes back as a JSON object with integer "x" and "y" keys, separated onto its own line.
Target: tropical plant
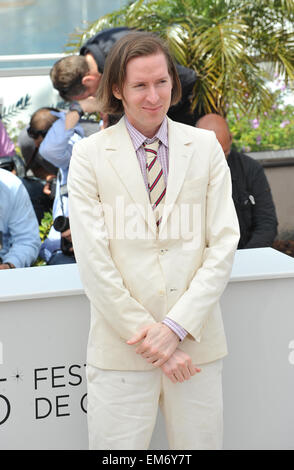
{"x": 45, "y": 225}
{"x": 44, "y": 229}
{"x": 9, "y": 112}
{"x": 234, "y": 46}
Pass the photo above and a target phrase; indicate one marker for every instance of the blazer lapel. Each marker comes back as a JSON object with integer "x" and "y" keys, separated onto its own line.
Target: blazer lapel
{"x": 123, "y": 158}
{"x": 180, "y": 152}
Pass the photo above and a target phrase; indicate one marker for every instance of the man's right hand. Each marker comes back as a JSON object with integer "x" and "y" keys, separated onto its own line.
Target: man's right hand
{"x": 179, "y": 367}
{"x": 89, "y": 105}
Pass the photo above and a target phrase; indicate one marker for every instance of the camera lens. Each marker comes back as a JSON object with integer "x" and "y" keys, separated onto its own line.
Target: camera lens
{"x": 61, "y": 223}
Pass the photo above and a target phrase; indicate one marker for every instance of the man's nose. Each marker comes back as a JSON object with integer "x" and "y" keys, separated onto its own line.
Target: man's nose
{"x": 152, "y": 94}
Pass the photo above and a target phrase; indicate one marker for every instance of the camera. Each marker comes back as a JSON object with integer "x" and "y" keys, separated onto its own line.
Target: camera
{"x": 7, "y": 163}
{"x": 61, "y": 224}
{"x": 52, "y": 187}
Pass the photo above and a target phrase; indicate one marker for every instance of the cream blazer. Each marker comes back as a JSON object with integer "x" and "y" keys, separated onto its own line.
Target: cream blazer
{"x": 134, "y": 276}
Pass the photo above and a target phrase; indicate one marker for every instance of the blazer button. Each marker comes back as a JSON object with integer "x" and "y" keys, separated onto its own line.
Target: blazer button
{"x": 161, "y": 293}
{"x": 162, "y": 251}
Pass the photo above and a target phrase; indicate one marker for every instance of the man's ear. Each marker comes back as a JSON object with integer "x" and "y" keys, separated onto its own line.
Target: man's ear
{"x": 116, "y": 92}
{"x": 87, "y": 79}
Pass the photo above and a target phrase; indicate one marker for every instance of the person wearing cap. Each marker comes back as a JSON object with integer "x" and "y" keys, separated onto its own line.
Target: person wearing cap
{"x": 19, "y": 230}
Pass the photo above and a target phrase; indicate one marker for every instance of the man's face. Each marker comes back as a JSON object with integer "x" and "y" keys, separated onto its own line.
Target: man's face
{"x": 146, "y": 93}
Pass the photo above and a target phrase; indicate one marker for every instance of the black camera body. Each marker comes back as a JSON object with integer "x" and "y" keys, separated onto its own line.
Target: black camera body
{"x": 61, "y": 224}
{"x": 52, "y": 187}
{"x": 7, "y": 163}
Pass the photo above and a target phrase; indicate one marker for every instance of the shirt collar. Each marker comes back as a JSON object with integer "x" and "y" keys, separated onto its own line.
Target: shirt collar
{"x": 138, "y": 138}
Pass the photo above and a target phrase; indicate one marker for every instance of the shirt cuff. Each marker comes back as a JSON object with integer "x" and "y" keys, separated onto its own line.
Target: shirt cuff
{"x": 176, "y": 328}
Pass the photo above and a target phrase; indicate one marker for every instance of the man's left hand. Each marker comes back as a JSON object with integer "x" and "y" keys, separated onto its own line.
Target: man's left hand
{"x": 158, "y": 343}
{"x": 6, "y": 266}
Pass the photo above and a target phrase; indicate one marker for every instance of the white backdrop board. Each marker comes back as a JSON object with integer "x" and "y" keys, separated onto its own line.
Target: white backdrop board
{"x": 44, "y": 322}
{"x": 42, "y": 376}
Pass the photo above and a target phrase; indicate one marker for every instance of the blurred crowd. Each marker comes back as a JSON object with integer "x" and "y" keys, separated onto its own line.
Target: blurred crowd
{"x": 33, "y": 181}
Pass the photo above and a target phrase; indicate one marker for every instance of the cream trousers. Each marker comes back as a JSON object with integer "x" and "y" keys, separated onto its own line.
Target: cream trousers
{"x": 122, "y": 408}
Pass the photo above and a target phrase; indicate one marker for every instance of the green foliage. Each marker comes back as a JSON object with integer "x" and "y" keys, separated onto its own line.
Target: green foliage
{"x": 9, "y": 113}
{"x": 13, "y": 131}
{"x": 12, "y": 110}
{"x": 271, "y": 130}
{"x": 45, "y": 225}
{"x": 226, "y": 42}
{"x": 44, "y": 229}
{"x": 39, "y": 262}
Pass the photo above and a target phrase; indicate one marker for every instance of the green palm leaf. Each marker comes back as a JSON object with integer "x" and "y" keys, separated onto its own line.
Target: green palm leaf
{"x": 226, "y": 42}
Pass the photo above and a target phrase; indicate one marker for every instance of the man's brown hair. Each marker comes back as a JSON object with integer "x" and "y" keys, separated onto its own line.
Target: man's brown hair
{"x": 67, "y": 74}
{"x": 135, "y": 44}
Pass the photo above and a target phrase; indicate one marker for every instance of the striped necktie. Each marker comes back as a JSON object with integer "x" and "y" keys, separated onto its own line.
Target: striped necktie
{"x": 155, "y": 179}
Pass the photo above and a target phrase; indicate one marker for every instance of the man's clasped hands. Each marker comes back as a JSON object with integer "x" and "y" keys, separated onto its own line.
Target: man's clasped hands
{"x": 158, "y": 344}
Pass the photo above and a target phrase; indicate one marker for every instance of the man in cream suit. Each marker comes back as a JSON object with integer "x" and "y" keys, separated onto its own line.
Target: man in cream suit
{"x": 154, "y": 232}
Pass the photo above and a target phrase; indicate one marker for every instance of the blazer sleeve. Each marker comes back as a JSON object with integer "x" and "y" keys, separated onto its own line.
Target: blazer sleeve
{"x": 101, "y": 279}
{"x": 221, "y": 239}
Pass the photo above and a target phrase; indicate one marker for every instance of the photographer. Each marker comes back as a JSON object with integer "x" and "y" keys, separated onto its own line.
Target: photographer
{"x": 56, "y": 148}
{"x": 38, "y": 175}
{"x": 19, "y": 231}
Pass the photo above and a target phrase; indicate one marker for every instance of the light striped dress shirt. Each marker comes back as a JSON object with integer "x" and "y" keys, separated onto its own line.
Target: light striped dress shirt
{"x": 138, "y": 139}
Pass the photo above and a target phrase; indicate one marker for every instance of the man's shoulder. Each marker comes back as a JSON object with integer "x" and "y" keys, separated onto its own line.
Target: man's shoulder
{"x": 12, "y": 190}
{"x": 9, "y": 182}
{"x": 107, "y": 34}
{"x": 190, "y": 131}
{"x": 247, "y": 162}
{"x": 102, "y": 137}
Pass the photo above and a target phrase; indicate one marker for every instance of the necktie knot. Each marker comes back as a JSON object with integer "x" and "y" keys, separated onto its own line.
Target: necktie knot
{"x": 151, "y": 149}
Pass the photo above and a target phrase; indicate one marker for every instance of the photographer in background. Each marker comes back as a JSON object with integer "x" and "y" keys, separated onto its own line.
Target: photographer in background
{"x": 77, "y": 77}
{"x": 39, "y": 176}
{"x": 56, "y": 148}
{"x": 19, "y": 230}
